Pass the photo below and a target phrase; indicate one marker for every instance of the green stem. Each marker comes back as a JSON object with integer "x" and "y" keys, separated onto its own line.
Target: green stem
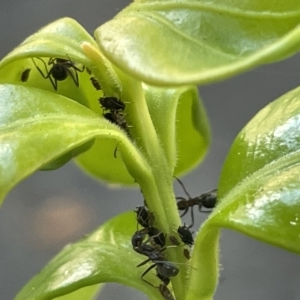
{"x": 158, "y": 191}
{"x": 205, "y": 264}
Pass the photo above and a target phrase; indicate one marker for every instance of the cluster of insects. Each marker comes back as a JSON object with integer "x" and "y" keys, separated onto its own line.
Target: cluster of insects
{"x": 113, "y": 111}
{"x": 150, "y": 242}
{"x": 59, "y": 69}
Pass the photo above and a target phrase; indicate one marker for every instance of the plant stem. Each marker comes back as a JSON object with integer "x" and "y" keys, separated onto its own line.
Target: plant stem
{"x": 204, "y": 274}
{"x": 158, "y": 191}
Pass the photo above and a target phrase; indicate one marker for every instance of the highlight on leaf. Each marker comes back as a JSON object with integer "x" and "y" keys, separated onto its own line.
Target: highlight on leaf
{"x": 199, "y": 41}
{"x": 259, "y": 189}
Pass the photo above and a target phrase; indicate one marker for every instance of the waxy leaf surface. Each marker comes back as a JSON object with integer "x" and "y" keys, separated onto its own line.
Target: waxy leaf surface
{"x": 38, "y": 128}
{"x": 173, "y": 42}
{"x": 259, "y": 189}
{"x": 181, "y": 124}
{"x": 104, "y": 256}
{"x": 86, "y": 293}
{"x": 62, "y": 39}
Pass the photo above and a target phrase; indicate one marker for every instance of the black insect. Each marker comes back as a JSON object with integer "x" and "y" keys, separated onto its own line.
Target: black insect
{"x": 25, "y": 75}
{"x": 138, "y": 244}
{"x": 95, "y": 83}
{"x": 165, "y": 292}
{"x": 186, "y": 235}
{"x": 207, "y": 200}
{"x": 152, "y": 246}
{"x": 164, "y": 269}
{"x": 158, "y": 237}
{"x": 143, "y": 216}
{"x": 118, "y": 118}
{"x": 111, "y": 103}
{"x": 59, "y": 70}
{"x": 146, "y": 219}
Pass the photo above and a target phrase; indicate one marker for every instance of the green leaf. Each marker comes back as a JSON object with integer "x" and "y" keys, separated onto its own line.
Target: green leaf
{"x": 259, "y": 189}
{"x": 179, "y": 119}
{"x": 104, "y": 256}
{"x": 38, "y": 127}
{"x": 60, "y": 39}
{"x": 86, "y": 293}
{"x": 179, "y": 42}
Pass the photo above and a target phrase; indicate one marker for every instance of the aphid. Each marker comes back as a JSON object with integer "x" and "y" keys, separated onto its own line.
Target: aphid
{"x": 143, "y": 216}
{"x": 25, "y": 75}
{"x": 174, "y": 241}
{"x": 111, "y": 103}
{"x": 59, "y": 70}
{"x": 186, "y": 253}
{"x": 207, "y": 200}
{"x": 165, "y": 292}
{"x": 95, "y": 83}
{"x": 158, "y": 237}
{"x": 185, "y": 235}
{"x": 116, "y": 117}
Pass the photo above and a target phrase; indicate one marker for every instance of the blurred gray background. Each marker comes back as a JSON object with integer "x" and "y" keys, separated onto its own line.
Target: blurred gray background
{"x": 51, "y": 209}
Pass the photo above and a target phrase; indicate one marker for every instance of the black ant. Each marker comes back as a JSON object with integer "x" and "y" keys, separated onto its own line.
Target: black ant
{"x": 143, "y": 216}
{"x": 146, "y": 219}
{"x": 207, "y": 200}
{"x": 164, "y": 269}
{"x": 59, "y": 70}
{"x": 25, "y": 75}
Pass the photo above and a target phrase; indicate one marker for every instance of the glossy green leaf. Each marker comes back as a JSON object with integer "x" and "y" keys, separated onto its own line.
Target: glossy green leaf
{"x": 60, "y": 39}
{"x": 104, "y": 256}
{"x": 65, "y": 33}
{"x": 179, "y": 118}
{"x": 182, "y": 127}
{"x": 259, "y": 189}
{"x": 179, "y": 42}
{"x": 38, "y": 127}
{"x": 86, "y": 293}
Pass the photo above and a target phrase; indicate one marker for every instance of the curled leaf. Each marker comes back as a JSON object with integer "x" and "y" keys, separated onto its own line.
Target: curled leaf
{"x": 182, "y": 127}
{"x": 38, "y": 128}
{"x": 259, "y": 189}
{"x": 181, "y": 42}
{"x": 104, "y": 256}
{"x": 60, "y": 39}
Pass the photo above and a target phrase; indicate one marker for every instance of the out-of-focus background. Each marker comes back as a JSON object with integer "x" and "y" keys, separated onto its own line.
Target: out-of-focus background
{"x": 50, "y": 209}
